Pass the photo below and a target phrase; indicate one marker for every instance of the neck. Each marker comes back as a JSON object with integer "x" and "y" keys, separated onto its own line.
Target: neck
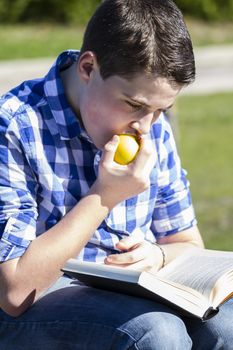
{"x": 71, "y": 86}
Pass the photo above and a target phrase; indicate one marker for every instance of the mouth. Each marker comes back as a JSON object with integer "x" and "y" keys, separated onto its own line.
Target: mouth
{"x": 135, "y": 134}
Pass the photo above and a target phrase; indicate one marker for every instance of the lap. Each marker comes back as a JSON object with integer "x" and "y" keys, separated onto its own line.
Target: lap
{"x": 217, "y": 333}
{"x": 79, "y": 317}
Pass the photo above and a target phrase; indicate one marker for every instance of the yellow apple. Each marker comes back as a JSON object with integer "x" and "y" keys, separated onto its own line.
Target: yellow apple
{"x": 127, "y": 149}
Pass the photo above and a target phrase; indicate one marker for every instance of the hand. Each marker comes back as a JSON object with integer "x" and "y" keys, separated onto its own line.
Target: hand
{"x": 136, "y": 254}
{"x": 120, "y": 182}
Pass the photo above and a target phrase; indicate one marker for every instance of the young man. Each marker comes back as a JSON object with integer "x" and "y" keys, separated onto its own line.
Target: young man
{"x": 62, "y": 195}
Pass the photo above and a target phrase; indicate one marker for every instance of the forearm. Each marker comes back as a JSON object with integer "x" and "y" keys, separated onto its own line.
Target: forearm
{"x": 176, "y": 244}
{"x": 40, "y": 266}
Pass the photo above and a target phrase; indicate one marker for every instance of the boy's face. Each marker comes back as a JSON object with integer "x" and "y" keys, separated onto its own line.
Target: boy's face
{"x": 116, "y": 105}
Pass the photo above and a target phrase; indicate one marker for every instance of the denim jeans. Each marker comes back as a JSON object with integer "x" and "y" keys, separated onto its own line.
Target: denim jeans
{"x": 73, "y": 316}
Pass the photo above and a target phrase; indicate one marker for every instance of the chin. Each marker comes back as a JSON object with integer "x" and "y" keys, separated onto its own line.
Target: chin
{"x": 98, "y": 144}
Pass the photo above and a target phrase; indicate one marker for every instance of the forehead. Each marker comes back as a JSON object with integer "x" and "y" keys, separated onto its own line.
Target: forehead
{"x": 146, "y": 90}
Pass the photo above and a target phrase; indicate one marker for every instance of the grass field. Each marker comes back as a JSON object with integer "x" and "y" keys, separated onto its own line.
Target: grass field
{"x": 37, "y": 41}
{"x": 206, "y": 148}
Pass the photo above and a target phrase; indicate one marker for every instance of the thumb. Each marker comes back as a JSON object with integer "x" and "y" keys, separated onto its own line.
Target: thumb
{"x": 129, "y": 242}
{"x": 110, "y": 149}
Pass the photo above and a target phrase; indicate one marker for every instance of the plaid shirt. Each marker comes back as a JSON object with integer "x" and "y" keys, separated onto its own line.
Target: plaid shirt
{"x": 48, "y": 162}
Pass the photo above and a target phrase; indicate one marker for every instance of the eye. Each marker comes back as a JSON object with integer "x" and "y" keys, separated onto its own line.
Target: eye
{"x": 134, "y": 105}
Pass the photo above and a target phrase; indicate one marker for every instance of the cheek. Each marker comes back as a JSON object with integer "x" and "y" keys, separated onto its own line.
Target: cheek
{"x": 103, "y": 113}
{"x": 89, "y": 108}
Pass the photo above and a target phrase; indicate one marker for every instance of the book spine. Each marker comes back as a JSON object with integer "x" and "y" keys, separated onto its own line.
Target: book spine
{"x": 211, "y": 312}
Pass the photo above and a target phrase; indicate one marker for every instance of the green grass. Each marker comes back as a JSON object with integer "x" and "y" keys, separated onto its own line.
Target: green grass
{"x": 206, "y": 148}
{"x": 37, "y": 41}
{"x": 210, "y": 33}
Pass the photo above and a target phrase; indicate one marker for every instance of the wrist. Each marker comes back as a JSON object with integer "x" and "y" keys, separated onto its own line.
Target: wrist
{"x": 104, "y": 195}
{"x": 162, "y": 252}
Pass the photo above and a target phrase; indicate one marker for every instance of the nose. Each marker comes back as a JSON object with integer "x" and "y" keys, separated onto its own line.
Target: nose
{"x": 144, "y": 124}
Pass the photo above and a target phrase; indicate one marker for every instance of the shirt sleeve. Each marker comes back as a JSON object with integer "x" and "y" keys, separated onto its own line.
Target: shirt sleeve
{"x": 18, "y": 209}
{"x": 173, "y": 210}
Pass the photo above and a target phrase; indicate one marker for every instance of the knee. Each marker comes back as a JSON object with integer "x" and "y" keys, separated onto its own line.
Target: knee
{"x": 158, "y": 331}
{"x": 221, "y": 333}
{"x": 216, "y": 333}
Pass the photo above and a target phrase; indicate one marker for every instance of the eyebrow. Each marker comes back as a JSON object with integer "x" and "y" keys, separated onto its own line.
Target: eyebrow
{"x": 142, "y": 103}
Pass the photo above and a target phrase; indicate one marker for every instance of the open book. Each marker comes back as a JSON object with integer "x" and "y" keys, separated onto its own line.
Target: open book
{"x": 196, "y": 283}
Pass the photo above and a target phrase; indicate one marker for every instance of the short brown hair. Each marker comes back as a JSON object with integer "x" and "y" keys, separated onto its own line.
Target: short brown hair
{"x": 141, "y": 36}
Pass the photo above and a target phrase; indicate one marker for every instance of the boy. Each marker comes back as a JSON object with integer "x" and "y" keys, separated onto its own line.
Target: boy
{"x": 62, "y": 195}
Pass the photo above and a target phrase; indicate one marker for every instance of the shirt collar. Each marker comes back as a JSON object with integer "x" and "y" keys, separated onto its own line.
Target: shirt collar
{"x": 66, "y": 120}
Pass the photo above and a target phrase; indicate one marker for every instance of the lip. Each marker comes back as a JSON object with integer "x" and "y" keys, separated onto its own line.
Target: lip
{"x": 137, "y": 135}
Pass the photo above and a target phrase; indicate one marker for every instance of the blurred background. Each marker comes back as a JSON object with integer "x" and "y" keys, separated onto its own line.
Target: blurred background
{"x": 34, "y": 32}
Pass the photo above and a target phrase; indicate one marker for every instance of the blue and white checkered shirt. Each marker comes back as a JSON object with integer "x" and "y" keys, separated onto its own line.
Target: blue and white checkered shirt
{"x": 48, "y": 162}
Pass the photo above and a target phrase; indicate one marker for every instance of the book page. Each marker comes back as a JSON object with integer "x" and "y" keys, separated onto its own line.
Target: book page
{"x": 223, "y": 289}
{"x": 198, "y": 269}
{"x": 187, "y": 299}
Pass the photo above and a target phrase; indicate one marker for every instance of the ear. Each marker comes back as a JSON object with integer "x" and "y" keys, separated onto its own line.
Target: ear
{"x": 86, "y": 64}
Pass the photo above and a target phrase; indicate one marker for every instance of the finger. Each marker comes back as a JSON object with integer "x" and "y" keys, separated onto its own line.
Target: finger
{"x": 146, "y": 157}
{"x": 129, "y": 242}
{"x": 121, "y": 259}
{"x": 141, "y": 252}
{"x": 117, "y": 265}
{"x": 142, "y": 265}
{"x": 110, "y": 149}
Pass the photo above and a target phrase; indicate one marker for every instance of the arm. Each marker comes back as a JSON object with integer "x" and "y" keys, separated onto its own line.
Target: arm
{"x": 22, "y": 280}
{"x": 176, "y": 231}
{"x": 176, "y": 244}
